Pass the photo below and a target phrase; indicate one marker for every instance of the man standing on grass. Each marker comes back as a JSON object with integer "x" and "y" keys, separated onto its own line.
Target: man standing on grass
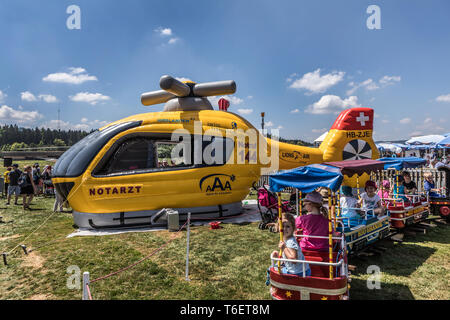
{"x": 13, "y": 187}
{"x": 6, "y": 179}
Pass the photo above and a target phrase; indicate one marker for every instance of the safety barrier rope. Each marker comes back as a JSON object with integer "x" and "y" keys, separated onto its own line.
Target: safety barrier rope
{"x": 89, "y": 292}
{"x": 138, "y": 262}
{"x": 34, "y": 231}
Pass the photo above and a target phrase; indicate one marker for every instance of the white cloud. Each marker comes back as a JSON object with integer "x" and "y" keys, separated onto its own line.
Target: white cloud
{"x": 315, "y": 83}
{"x": 28, "y": 96}
{"x": 91, "y": 98}
{"x": 428, "y": 127}
{"x": 77, "y": 70}
{"x": 75, "y": 76}
{"x": 250, "y": 97}
{"x": 269, "y": 124}
{"x": 385, "y": 121}
{"x": 388, "y": 80}
{"x": 443, "y": 98}
{"x": 173, "y": 40}
{"x": 233, "y": 100}
{"x": 295, "y": 111}
{"x": 323, "y": 130}
{"x": 405, "y": 121}
{"x": 164, "y": 32}
{"x": 85, "y": 124}
{"x": 48, "y": 98}
{"x": 291, "y": 77}
{"x": 9, "y": 114}
{"x": 245, "y": 111}
{"x": 332, "y": 104}
{"x": 2, "y": 96}
{"x": 280, "y": 127}
{"x": 368, "y": 84}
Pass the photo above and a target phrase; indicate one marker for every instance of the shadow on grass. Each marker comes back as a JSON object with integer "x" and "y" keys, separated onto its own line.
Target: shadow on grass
{"x": 439, "y": 234}
{"x": 387, "y": 291}
{"x": 400, "y": 260}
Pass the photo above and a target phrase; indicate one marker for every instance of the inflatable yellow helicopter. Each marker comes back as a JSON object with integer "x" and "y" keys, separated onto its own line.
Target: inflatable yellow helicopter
{"x": 125, "y": 173}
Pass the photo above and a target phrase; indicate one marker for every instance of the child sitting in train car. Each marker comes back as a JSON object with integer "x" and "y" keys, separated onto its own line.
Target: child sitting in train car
{"x": 429, "y": 185}
{"x": 348, "y": 203}
{"x": 314, "y": 223}
{"x": 370, "y": 200}
{"x": 385, "y": 192}
{"x": 410, "y": 186}
{"x": 399, "y": 189}
{"x": 290, "y": 249}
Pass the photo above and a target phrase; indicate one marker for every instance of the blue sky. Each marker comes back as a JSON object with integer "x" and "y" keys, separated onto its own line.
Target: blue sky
{"x": 301, "y": 62}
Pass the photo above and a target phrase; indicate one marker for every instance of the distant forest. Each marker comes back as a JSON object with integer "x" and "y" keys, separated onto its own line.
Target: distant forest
{"x": 297, "y": 142}
{"x": 13, "y": 138}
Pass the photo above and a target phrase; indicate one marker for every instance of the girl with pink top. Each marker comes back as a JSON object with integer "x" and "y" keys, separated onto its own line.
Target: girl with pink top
{"x": 314, "y": 223}
{"x": 384, "y": 193}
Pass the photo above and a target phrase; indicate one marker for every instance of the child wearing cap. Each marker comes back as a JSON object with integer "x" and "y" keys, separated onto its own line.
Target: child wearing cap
{"x": 314, "y": 223}
{"x": 370, "y": 200}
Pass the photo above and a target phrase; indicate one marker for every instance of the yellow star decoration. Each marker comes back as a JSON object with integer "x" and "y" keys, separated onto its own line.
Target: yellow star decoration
{"x": 324, "y": 298}
{"x": 288, "y": 294}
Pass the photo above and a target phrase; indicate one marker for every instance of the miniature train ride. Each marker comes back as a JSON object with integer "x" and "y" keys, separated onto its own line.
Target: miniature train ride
{"x": 329, "y": 270}
{"x": 440, "y": 205}
{"x": 364, "y": 230}
{"x": 123, "y": 175}
{"x": 405, "y": 210}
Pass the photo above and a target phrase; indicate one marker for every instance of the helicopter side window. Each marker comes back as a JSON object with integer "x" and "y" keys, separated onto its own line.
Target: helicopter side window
{"x": 151, "y": 154}
{"x": 132, "y": 155}
{"x": 165, "y": 157}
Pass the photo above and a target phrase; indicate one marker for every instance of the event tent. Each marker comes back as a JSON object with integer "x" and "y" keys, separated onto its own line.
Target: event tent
{"x": 425, "y": 140}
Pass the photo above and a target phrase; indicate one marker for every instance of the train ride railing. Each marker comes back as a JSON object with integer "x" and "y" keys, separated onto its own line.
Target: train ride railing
{"x": 439, "y": 178}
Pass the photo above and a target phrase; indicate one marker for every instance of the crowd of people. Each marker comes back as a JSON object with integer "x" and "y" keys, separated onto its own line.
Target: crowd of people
{"x": 29, "y": 183}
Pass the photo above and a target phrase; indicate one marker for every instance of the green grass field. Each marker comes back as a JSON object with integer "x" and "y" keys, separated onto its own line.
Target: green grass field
{"x": 229, "y": 263}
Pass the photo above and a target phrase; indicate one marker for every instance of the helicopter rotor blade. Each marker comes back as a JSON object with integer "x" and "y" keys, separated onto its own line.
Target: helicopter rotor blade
{"x": 217, "y": 88}
{"x": 156, "y": 97}
{"x": 174, "y": 86}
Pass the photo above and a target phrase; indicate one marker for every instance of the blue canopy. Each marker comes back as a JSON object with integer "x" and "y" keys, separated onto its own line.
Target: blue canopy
{"x": 444, "y": 143}
{"x": 307, "y": 179}
{"x": 402, "y": 163}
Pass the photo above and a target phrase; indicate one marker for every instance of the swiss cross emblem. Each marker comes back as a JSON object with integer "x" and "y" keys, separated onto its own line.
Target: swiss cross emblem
{"x": 362, "y": 119}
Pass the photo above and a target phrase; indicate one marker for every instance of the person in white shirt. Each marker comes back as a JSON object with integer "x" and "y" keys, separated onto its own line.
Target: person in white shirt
{"x": 371, "y": 200}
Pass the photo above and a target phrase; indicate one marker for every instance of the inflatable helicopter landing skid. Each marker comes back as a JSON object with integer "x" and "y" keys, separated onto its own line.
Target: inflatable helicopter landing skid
{"x": 124, "y": 174}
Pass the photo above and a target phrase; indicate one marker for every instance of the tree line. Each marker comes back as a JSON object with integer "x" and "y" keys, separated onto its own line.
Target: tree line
{"x": 13, "y": 137}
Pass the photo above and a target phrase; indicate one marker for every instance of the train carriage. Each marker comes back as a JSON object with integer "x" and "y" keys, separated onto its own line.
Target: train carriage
{"x": 329, "y": 270}
{"x": 405, "y": 210}
{"x": 360, "y": 232}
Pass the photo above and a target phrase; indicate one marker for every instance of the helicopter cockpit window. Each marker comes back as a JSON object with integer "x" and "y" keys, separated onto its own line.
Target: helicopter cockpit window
{"x": 132, "y": 155}
{"x": 145, "y": 154}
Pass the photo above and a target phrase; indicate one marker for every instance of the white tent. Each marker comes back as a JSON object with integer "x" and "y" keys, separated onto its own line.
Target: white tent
{"x": 389, "y": 147}
{"x": 430, "y": 139}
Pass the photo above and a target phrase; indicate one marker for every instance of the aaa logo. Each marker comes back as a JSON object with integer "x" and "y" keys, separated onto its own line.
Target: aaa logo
{"x": 217, "y": 183}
